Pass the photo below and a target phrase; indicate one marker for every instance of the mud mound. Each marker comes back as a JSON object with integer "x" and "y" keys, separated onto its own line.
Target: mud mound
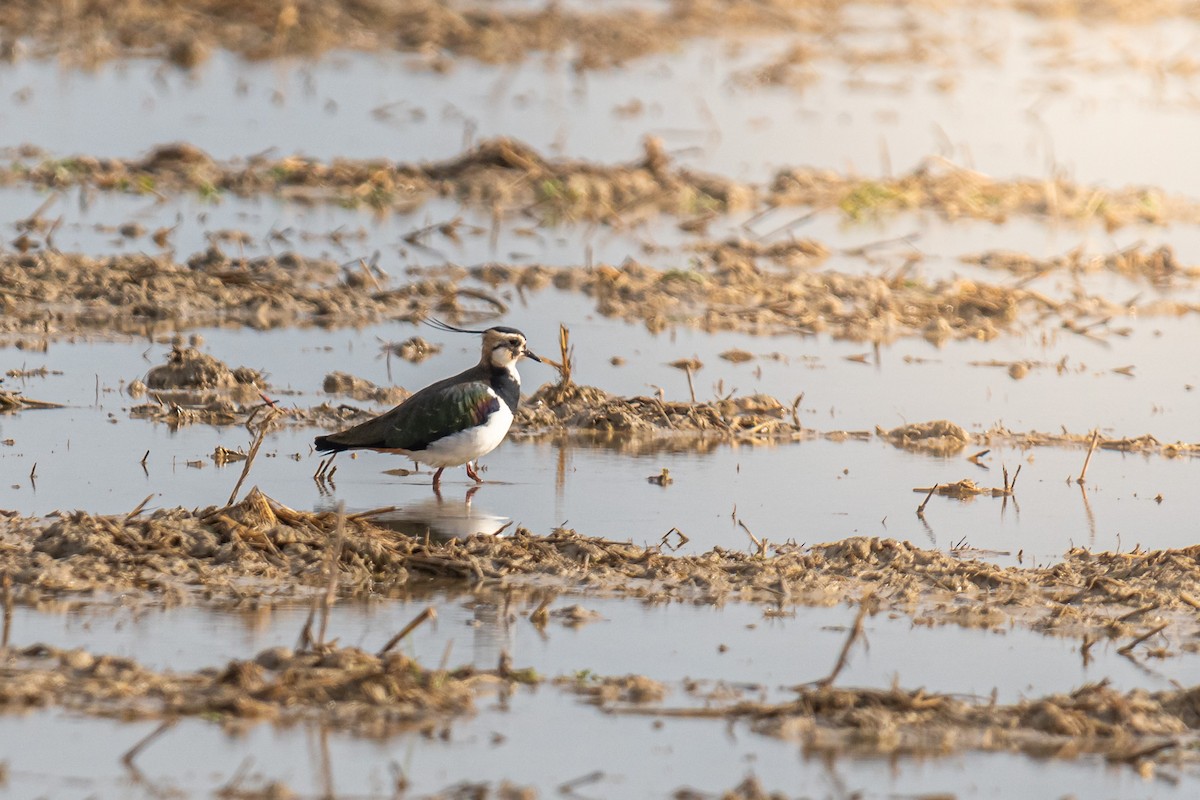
{"x": 230, "y": 553}
{"x": 1135, "y": 727}
{"x": 372, "y": 695}
{"x": 939, "y": 436}
{"x": 188, "y": 368}
{"x": 52, "y": 292}
{"x": 362, "y": 389}
{"x": 585, "y": 408}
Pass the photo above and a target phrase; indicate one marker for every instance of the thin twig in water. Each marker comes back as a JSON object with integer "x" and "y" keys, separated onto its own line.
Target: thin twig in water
{"x": 1128, "y": 649}
{"x": 925, "y": 502}
{"x": 583, "y": 780}
{"x": 304, "y": 642}
{"x": 331, "y": 586}
{"x": 760, "y": 544}
{"x": 139, "y": 507}
{"x": 1091, "y": 449}
{"x": 258, "y": 440}
{"x": 1085, "y": 649}
{"x": 855, "y": 632}
{"x": 691, "y": 386}
{"x": 1141, "y": 753}
{"x": 145, "y": 741}
{"x": 567, "y": 354}
{"x": 429, "y": 613}
{"x": 6, "y": 585}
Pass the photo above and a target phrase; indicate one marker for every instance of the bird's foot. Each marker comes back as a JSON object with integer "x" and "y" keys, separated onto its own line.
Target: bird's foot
{"x": 473, "y": 474}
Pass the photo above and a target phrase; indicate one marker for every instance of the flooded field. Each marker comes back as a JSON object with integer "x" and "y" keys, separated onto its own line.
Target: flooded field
{"x": 860, "y": 463}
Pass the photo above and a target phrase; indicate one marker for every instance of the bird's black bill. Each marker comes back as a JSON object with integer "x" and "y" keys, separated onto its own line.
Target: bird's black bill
{"x": 445, "y": 326}
{"x": 533, "y": 356}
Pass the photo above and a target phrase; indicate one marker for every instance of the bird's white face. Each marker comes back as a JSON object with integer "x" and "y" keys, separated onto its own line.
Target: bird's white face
{"x": 505, "y": 348}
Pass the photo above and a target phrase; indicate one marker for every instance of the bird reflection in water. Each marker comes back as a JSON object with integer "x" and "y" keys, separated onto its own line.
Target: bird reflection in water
{"x": 443, "y": 519}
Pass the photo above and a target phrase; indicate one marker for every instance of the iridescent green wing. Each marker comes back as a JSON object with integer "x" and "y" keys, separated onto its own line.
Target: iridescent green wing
{"x": 440, "y": 411}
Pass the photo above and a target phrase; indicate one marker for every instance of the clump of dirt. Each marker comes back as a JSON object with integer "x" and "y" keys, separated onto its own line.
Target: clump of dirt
{"x": 188, "y": 368}
{"x": 414, "y": 349}
{"x": 362, "y": 389}
{"x": 1160, "y": 266}
{"x": 941, "y": 436}
{"x": 737, "y": 294}
{"x": 506, "y": 172}
{"x": 496, "y": 172}
{"x": 790, "y": 253}
{"x": 52, "y": 292}
{"x": 1135, "y": 727}
{"x": 957, "y": 193}
{"x": 595, "y": 38}
{"x": 195, "y": 387}
{"x": 609, "y": 690}
{"x": 572, "y": 408}
{"x": 364, "y": 693}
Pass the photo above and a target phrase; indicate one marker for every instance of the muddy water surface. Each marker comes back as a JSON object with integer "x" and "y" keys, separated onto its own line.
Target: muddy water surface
{"x": 1103, "y": 101}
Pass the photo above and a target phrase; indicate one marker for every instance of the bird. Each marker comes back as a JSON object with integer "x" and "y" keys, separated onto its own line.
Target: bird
{"x": 454, "y": 421}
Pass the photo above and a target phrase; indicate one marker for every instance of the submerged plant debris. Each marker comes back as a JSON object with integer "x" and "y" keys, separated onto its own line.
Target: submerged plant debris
{"x": 1137, "y": 727}
{"x": 229, "y": 555}
{"x": 258, "y": 553}
{"x": 342, "y": 687}
{"x": 51, "y": 293}
{"x": 505, "y": 174}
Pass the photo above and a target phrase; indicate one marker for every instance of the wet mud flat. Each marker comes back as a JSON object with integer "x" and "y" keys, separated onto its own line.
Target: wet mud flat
{"x": 809, "y": 257}
{"x": 258, "y": 551}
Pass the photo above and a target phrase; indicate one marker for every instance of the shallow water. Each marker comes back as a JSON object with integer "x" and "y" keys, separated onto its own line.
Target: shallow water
{"x": 990, "y": 102}
{"x": 542, "y": 740}
{"x": 758, "y": 649}
{"x": 998, "y": 95}
{"x": 835, "y": 489}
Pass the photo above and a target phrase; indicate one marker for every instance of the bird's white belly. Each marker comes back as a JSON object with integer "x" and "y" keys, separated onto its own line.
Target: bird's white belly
{"x": 459, "y": 448}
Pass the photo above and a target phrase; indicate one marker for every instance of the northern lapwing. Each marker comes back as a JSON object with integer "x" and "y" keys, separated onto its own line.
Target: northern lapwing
{"x": 453, "y": 421}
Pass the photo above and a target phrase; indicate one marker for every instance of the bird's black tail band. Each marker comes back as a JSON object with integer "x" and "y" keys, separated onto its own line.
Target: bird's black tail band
{"x": 325, "y": 445}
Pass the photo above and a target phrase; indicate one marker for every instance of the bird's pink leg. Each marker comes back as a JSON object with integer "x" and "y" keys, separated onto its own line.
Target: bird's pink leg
{"x": 437, "y": 478}
{"x": 473, "y": 474}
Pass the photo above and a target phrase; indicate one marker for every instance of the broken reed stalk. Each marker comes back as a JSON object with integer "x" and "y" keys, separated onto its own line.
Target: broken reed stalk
{"x": 144, "y": 742}
{"x": 1128, "y": 649}
{"x": 796, "y": 411}
{"x": 925, "y": 502}
{"x": 429, "y": 613}
{"x": 139, "y": 507}
{"x": 760, "y": 544}
{"x": 331, "y": 585}
{"x": 1141, "y": 753}
{"x": 567, "y": 354}
{"x": 6, "y": 586}
{"x": 855, "y": 632}
{"x": 304, "y": 642}
{"x": 1085, "y": 649}
{"x": 1091, "y": 449}
{"x": 258, "y": 440}
{"x": 691, "y": 385}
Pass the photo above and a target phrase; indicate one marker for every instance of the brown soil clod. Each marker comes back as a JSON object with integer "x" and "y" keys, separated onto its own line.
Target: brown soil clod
{"x": 362, "y": 389}
{"x": 228, "y": 552}
{"x": 939, "y": 436}
{"x": 342, "y": 687}
{"x": 188, "y": 368}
